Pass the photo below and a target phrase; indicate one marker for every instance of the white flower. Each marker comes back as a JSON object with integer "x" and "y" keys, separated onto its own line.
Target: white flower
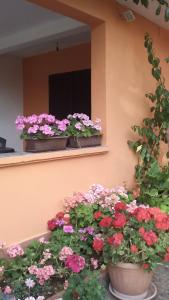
{"x": 29, "y": 283}
{"x": 30, "y": 298}
{"x": 40, "y": 298}
{"x": 139, "y": 148}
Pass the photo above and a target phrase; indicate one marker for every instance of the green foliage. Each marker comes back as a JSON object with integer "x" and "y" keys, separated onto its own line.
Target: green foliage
{"x": 153, "y": 179}
{"x": 82, "y": 215}
{"x": 85, "y": 286}
{"x": 160, "y": 4}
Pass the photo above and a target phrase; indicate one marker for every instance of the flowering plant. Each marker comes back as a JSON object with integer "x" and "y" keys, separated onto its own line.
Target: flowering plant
{"x": 41, "y": 126}
{"x": 82, "y": 126}
{"x": 133, "y": 236}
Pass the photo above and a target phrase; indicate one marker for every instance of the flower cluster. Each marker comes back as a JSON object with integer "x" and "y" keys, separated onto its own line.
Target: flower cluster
{"x": 75, "y": 262}
{"x": 65, "y": 252}
{"x": 41, "y": 126}
{"x": 42, "y": 274}
{"x": 61, "y": 219}
{"x": 136, "y": 236}
{"x": 97, "y": 227}
{"x": 97, "y": 194}
{"x": 82, "y": 126}
{"x": 14, "y": 251}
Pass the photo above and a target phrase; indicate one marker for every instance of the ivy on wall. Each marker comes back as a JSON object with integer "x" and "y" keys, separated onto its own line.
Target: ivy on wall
{"x": 152, "y": 179}
{"x": 160, "y": 4}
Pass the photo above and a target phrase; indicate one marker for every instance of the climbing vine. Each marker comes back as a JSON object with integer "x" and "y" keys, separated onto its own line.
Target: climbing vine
{"x": 160, "y": 4}
{"x": 153, "y": 179}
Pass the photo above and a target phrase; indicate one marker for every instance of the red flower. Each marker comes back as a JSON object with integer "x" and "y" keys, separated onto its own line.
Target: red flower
{"x": 52, "y": 224}
{"x": 97, "y": 215}
{"x": 105, "y": 222}
{"x": 167, "y": 249}
{"x": 150, "y": 237}
{"x": 145, "y": 266}
{"x": 142, "y": 214}
{"x": 166, "y": 258}
{"x": 134, "y": 249}
{"x": 116, "y": 239}
{"x": 162, "y": 221}
{"x": 120, "y": 205}
{"x": 98, "y": 244}
{"x": 119, "y": 220}
{"x": 141, "y": 230}
{"x": 60, "y": 215}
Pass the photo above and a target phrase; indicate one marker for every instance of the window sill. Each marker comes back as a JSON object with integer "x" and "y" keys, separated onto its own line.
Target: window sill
{"x": 32, "y": 158}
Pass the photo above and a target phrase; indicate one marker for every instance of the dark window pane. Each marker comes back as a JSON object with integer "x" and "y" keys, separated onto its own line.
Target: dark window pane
{"x": 69, "y": 93}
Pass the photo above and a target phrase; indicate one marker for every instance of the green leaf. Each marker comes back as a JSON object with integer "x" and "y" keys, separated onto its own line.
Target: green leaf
{"x": 145, "y": 3}
{"x": 156, "y": 73}
{"x": 167, "y": 14}
{"x": 158, "y": 10}
{"x": 167, "y": 154}
{"x": 136, "y": 1}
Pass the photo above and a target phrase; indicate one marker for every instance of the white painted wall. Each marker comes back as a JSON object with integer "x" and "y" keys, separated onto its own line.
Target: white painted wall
{"x": 11, "y": 99}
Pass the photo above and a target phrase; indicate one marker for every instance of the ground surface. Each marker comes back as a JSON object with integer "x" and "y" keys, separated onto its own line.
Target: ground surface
{"x": 161, "y": 279}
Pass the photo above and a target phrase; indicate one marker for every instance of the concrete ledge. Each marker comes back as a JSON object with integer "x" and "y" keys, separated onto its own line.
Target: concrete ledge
{"x": 32, "y": 158}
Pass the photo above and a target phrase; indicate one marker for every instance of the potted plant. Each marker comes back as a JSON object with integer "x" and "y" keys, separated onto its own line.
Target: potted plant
{"x": 83, "y": 132}
{"x": 43, "y": 132}
{"x": 134, "y": 242}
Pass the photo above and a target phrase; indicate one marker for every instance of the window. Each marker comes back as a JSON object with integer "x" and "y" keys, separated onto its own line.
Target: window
{"x": 69, "y": 93}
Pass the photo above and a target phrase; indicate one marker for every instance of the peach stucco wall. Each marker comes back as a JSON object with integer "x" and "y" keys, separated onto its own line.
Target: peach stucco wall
{"x": 120, "y": 77}
{"x": 36, "y": 70}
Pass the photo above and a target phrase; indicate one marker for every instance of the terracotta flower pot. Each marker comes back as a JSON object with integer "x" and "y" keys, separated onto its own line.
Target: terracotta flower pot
{"x": 81, "y": 142}
{"x": 130, "y": 280}
{"x": 48, "y": 144}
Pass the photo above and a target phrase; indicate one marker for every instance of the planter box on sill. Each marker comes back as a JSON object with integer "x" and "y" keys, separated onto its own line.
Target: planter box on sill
{"x": 48, "y": 144}
{"x": 81, "y": 142}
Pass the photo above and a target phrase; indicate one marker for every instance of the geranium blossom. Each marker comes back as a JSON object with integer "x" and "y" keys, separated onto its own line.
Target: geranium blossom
{"x": 42, "y": 274}
{"x": 98, "y": 244}
{"x": 7, "y": 290}
{"x": 75, "y": 262}
{"x": 134, "y": 249}
{"x": 14, "y": 251}
{"x": 116, "y": 239}
{"x": 65, "y": 252}
{"x": 105, "y": 222}
{"x": 119, "y": 220}
{"x": 94, "y": 263}
{"x": 68, "y": 228}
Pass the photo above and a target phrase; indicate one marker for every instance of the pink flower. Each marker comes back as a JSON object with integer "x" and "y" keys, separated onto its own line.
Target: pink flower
{"x": 43, "y": 241}
{"x": 65, "y": 252}
{"x": 62, "y": 126}
{"x": 7, "y": 290}
{"x": 94, "y": 263}
{"x": 42, "y": 274}
{"x": 75, "y": 262}
{"x": 78, "y": 126}
{"x": 33, "y": 129}
{"x": 68, "y": 228}
{"x": 47, "y": 130}
{"x": 14, "y": 251}
{"x": 32, "y": 119}
{"x": 20, "y": 126}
